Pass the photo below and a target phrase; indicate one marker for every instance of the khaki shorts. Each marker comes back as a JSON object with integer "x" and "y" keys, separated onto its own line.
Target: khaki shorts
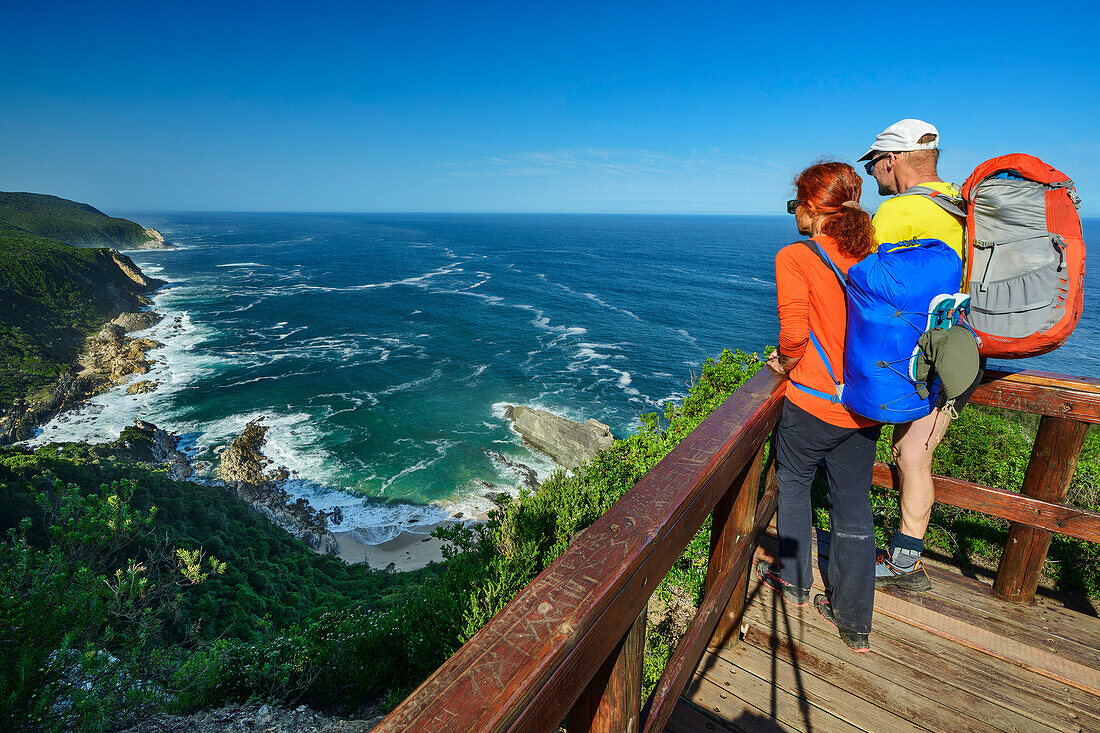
{"x": 961, "y": 400}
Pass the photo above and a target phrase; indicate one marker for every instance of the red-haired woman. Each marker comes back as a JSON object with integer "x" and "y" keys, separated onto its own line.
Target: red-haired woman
{"x": 815, "y": 427}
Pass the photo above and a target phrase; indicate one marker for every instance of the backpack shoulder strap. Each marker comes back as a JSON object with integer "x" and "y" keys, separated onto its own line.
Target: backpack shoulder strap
{"x": 837, "y": 395}
{"x": 816, "y": 249}
{"x": 950, "y": 204}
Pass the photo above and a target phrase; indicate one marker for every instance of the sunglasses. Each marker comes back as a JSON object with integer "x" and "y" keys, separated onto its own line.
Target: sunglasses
{"x": 792, "y": 205}
{"x": 870, "y": 166}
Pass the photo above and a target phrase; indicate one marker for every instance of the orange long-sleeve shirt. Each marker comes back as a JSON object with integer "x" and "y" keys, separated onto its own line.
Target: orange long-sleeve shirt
{"x": 809, "y": 297}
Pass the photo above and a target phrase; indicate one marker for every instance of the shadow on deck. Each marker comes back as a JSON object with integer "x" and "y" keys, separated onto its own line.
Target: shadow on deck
{"x": 952, "y": 659}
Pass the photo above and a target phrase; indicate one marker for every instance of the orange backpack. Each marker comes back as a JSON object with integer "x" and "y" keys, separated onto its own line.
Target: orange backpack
{"x": 1025, "y": 263}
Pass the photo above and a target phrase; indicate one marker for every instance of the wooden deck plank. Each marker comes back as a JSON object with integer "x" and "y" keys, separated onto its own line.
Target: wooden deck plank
{"x": 686, "y": 718}
{"x": 1060, "y": 659}
{"x": 922, "y": 687}
{"x": 1081, "y": 628}
{"x": 950, "y": 585}
{"x": 754, "y": 702}
{"x": 1074, "y": 635}
{"x": 1055, "y": 661}
{"x": 1002, "y": 682}
{"x": 849, "y": 702}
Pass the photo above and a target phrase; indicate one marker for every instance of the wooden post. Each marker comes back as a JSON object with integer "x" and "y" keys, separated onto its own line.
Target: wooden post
{"x": 734, "y": 517}
{"x": 612, "y": 702}
{"x": 1049, "y": 472}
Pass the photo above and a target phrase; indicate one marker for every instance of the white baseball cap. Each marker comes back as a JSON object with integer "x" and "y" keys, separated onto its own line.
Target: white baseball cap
{"x": 902, "y": 137}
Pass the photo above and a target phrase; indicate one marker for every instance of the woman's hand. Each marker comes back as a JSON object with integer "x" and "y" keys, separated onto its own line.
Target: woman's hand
{"x": 780, "y": 364}
{"x": 773, "y": 362}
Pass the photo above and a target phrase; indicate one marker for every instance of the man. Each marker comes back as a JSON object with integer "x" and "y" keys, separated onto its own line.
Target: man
{"x": 904, "y": 155}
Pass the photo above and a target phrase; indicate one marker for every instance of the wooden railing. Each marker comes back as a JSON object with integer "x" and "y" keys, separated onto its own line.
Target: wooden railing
{"x": 569, "y": 646}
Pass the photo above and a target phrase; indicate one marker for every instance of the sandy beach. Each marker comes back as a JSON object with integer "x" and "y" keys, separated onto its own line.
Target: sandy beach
{"x": 407, "y": 551}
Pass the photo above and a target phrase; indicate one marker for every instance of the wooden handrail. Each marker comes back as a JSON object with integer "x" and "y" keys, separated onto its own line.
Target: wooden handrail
{"x": 1041, "y": 393}
{"x": 567, "y": 646}
{"x": 1066, "y": 520}
{"x": 525, "y": 669}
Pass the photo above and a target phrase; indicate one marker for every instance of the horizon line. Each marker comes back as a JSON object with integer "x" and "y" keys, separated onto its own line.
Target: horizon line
{"x": 781, "y": 215}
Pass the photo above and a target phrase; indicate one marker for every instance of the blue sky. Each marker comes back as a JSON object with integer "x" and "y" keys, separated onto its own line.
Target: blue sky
{"x": 572, "y": 107}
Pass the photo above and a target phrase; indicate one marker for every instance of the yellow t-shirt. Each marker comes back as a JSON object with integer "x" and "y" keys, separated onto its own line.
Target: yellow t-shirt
{"x": 918, "y": 217}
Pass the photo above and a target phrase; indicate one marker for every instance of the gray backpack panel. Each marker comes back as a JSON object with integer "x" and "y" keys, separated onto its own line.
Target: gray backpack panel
{"x": 1016, "y": 261}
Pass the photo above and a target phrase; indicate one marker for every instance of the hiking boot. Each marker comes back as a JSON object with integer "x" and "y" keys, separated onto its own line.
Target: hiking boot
{"x": 856, "y": 642}
{"x": 790, "y": 592}
{"x": 912, "y": 578}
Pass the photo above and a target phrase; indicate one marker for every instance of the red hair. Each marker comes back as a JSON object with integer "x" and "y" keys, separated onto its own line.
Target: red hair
{"x": 833, "y": 189}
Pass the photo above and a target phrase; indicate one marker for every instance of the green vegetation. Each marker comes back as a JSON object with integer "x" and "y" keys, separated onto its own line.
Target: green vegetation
{"x": 69, "y": 222}
{"x": 92, "y": 562}
{"x": 52, "y": 296}
{"x": 112, "y": 572}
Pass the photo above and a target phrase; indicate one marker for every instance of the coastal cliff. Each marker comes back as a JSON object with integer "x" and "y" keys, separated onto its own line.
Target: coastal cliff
{"x": 73, "y": 223}
{"x": 56, "y": 303}
{"x": 155, "y": 240}
{"x": 53, "y": 296}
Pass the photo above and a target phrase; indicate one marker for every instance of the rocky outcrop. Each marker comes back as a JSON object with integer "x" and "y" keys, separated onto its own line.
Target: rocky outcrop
{"x": 268, "y": 718}
{"x": 23, "y": 417}
{"x": 154, "y": 240}
{"x": 132, "y": 271}
{"x": 244, "y": 462}
{"x": 525, "y": 473}
{"x": 145, "y": 386}
{"x": 162, "y": 448}
{"x": 568, "y": 442}
{"x": 244, "y": 468}
{"x": 130, "y": 322}
{"x": 112, "y": 356}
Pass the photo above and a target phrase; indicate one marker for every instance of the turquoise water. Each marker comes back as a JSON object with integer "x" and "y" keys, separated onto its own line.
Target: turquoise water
{"x": 382, "y": 348}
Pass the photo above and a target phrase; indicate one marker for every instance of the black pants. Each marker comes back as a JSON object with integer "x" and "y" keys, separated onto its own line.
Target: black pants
{"x": 802, "y": 441}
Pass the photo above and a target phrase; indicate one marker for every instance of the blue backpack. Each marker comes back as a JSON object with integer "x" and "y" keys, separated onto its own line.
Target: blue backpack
{"x": 894, "y": 296}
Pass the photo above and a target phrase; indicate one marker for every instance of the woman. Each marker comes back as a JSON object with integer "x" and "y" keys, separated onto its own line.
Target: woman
{"x": 814, "y": 426}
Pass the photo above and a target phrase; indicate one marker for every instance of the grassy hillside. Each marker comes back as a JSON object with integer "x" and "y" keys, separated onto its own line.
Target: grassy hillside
{"x": 103, "y": 553}
{"x": 52, "y": 296}
{"x": 69, "y": 222}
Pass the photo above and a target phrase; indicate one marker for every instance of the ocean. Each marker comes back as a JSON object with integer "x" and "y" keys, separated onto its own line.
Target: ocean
{"x": 381, "y": 349}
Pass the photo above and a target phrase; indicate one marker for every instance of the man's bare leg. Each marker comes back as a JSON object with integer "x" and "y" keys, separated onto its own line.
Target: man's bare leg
{"x": 914, "y": 444}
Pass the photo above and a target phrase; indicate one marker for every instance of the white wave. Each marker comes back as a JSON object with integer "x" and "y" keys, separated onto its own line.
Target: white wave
{"x": 687, "y": 336}
{"x": 413, "y": 384}
{"x": 591, "y": 296}
{"x": 176, "y": 365}
{"x": 294, "y": 440}
{"x": 623, "y": 381}
{"x": 416, "y": 280}
{"x": 484, "y": 278}
{"x": 242, "y": 264}
{"x": 282, "y": 336}
{"x": 543, "y": 322}
{"x": 441, "y": 446}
